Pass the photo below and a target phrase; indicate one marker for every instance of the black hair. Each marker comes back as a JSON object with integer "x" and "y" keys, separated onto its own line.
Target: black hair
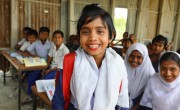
{"x": 160, "y": 38}
{"x": 58, "y": 32}
{"x": 32, "y": 32}
{"x": 90, "y": 13}
{"x": 170, "y": 56}
{"x": 26, "y": 29}
{"x": 44, "y": 29}
{"x": 128, "y": 39}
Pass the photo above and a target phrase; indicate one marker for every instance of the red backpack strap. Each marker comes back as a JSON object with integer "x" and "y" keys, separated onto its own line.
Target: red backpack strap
{"x": 68, "y": 65}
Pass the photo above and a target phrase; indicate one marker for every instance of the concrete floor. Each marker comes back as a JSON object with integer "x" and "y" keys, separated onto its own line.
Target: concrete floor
{"x": 9, "y": 96}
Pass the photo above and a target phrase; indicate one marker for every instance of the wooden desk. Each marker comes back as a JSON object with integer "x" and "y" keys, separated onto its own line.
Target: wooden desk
{"x": 42, "y": 95}
{"x": 20, "y": 68}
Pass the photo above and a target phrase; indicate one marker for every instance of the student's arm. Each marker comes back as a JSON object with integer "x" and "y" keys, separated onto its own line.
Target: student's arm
{"x": 58, "y": 99}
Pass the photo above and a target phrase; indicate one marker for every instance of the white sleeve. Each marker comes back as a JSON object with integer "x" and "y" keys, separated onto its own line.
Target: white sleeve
{"x": 65, "y": 51}
{"x": 146, "y": 99}
{"x": 51, "y": 52}
{"x": 31, "y": 47}
{"x": 123, "y": 99}
{"x": 22, "y": 41}
{"x": 24, "y": 46}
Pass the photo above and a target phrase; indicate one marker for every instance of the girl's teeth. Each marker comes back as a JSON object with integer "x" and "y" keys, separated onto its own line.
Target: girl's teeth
{"x": 93, "y": 46}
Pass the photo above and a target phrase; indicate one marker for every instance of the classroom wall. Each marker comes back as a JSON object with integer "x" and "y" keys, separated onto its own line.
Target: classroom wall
{"x": 146, "y": 18}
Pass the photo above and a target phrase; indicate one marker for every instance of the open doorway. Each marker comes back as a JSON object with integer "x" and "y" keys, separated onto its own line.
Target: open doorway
{"x": 120, "y": 20}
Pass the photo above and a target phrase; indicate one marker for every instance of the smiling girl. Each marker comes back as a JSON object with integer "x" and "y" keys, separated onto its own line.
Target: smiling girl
{"x": 98, "y": 70}
{"x": 139, "y": 69}
{"x": 162, "y": 91}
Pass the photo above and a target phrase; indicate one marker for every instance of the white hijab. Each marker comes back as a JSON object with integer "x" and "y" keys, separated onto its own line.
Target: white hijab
{"x": 139, "y": 76}
{"x": 97, "y": 89}
{"x": 160, "y": 95}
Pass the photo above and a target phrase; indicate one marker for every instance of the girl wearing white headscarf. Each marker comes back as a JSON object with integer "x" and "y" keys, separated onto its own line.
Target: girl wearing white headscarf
{"x": 139, "y": 75}
{"x": 163, "y": 89}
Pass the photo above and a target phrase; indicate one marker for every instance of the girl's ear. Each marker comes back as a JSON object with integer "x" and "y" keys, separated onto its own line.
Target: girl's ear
{"x": 112, "y": 37}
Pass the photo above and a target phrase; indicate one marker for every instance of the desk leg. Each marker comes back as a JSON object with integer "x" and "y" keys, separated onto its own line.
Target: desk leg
{"x": 34, "y": 102}
{"x": 19, "y": 97}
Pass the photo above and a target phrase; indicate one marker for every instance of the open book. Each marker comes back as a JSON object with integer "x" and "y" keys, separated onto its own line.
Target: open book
{"x": 34, "y": 62}
{"x": 47, "y": 86}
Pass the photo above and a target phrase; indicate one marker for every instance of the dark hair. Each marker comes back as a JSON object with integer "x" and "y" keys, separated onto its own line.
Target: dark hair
{"x": 90, "y": 13}
{"x": 32, "y": 32}
{"x": 128, "y": 39}
{"x": 44, "y": 29}
{"x": 26, "y": 29}
{"x": 160, "y": 38}
{"x": 170, "y": 56}
{"x": 58, "y": 32}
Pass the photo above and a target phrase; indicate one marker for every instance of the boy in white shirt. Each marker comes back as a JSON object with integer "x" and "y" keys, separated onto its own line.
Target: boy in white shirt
{"x": 32, "y": 37}
{"x": 56, "y": 55}
{"x": 25, "y": 39}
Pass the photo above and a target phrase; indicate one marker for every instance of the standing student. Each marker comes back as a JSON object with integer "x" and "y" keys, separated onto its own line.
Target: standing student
{"x": 98, "y": 70}
{"x": 41, "y": 47}
{"x": 159, "y": 44}
{"x": 162, "y": 90}
{"x": 56, "y": 55}
{"x": 139, "y": 69}
{"x": 25, "y": 38}
{"x": 32, "y": 36}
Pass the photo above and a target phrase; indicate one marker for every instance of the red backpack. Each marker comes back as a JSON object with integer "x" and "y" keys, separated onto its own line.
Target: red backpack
{"x": 68, "y": 66}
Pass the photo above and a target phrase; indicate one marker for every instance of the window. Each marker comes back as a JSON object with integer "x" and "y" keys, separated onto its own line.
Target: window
{"x": 120, "y": 19}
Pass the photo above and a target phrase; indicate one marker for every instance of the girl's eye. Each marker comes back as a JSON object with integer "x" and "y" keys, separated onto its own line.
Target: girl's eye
{"x": 85, "y": 32}
{"x": 100, "y": 31}
{"x": 172, "y": 69}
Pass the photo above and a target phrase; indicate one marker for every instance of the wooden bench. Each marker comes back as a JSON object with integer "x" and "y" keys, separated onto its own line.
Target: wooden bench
{"x": 42, "y": 95}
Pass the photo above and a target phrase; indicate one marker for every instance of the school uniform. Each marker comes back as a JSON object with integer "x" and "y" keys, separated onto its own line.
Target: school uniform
{"x": 139, "y": 76}
{"x": 57, "y": 61}
{"x": 94, "y": 88}
{"x": 21, "y": 42}
{"x": 160, "y": 95}
{"x": 26, "y": 45}
{"x": 42, "y": 51}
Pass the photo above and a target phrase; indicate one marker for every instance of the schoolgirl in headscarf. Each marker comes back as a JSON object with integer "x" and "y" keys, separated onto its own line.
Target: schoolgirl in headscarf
{"x": 139, "y": 69}
{"x": 162, "y": 91}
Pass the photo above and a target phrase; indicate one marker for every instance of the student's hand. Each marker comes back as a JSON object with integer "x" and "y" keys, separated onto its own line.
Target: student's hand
{"x": 169, "y": 46}
{"x": 47, "y": 71}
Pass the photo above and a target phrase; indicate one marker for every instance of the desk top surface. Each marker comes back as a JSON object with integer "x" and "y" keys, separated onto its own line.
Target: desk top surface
{"x": 18, "y": 65}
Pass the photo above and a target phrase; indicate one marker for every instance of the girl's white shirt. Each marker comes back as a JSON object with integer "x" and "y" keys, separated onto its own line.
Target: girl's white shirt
{"x": 98, "y": 89}
{"x": 160, "y": 95}
{"x": 139, "y": 76}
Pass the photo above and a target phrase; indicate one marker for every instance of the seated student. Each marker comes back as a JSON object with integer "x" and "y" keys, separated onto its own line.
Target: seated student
{"x": 56, "y": 54}
{"x": 159, "y": 44}
{"x": 125, "y": 36}
{"x": 72, "y": 43}
{"x": 162, "y": 90}
{"x": 126, "y": 44}
{"x": 132, "y": 37}
{"x": 41, "y": 48}
{"x": 32, "y": 36}
{"x": 96, "y": 79}
{"x": 25, "y": 39}
{"x": 139, "y": 69}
